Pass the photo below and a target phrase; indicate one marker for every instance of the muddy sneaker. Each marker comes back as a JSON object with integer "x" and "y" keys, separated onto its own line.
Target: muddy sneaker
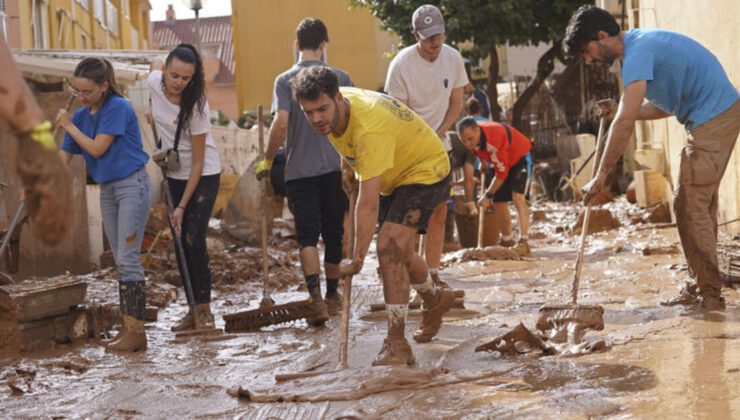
{"x": 506, "y": 243}
{"x": 395, "y": 351}
{"x": 320, "y": 314}
{"x": 431, "y": 314}
{"x": 185, "y": 324}
{"x": 334, "y": 304}
{"x": 522, "y": 248}
{"x": 711, "y": 303}
{"x": 205, "y": 316}
{"x": 686, "y": 297}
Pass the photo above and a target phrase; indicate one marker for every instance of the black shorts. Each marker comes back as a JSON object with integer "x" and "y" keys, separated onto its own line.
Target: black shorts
{"x": 277, "y": 173}
{"x": 412, "y": 205}
{"x": 515, "y": 182}
{"x": 318, "y": 205}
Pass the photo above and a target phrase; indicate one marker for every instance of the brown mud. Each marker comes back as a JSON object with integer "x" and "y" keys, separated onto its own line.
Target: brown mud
{"x": 48, "y": 190}
{"x": 662, "y": 362}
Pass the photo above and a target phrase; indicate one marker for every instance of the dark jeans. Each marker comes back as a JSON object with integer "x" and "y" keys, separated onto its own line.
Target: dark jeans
{"x": 194, "y": 230}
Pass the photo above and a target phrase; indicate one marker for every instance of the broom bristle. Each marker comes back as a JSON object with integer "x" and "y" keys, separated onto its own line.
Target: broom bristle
{"x": 255, "y": 319}
{"x": 591, "y": 316}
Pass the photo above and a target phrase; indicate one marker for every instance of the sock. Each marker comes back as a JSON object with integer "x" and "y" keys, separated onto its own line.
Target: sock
{"x": 427, "y": 286}
{"x": 331, "y": 287}
{"x": 433, "y": 272}
{"x": 397, "y": 319}
{"x": 507, "y": 237}
{"x": 524, "y": 237}
{"x": 312, "y": 282}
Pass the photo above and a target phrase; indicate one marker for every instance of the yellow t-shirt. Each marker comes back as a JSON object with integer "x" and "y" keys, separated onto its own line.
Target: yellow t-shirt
{"x": 385, "y": 138}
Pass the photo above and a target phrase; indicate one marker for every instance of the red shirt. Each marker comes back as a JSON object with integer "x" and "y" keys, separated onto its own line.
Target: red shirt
{"x": 496, "y": 150}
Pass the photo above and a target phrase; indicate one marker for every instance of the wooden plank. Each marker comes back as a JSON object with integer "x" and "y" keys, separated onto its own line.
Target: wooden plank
{"x": 650, "y": 188}
{"x": 37, "y": 299}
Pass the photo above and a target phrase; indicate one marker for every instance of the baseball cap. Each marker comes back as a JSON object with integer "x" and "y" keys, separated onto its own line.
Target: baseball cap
{"x": 427, "y": 21}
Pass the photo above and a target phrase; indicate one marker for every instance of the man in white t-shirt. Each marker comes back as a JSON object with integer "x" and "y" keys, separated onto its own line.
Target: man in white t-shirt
{"x": 429, "y": 77}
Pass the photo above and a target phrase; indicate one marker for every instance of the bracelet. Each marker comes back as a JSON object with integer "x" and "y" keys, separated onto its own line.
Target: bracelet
{"x": 181, "y": 207}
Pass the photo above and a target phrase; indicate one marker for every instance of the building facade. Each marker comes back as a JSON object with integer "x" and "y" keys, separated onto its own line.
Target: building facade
{"x": 76, "y": 24}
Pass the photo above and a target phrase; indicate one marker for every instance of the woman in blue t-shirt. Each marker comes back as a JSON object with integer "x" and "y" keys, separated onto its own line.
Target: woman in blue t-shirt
{"x": 105, "y": 131}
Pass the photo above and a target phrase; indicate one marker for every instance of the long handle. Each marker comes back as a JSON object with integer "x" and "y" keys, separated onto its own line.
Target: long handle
{"x": 482, "y": 214}
{"x": 347, "y": 286}
{"x": 263, "y": 222}
{"x": 169, "y": 202}
{"x": 584, "y": 229}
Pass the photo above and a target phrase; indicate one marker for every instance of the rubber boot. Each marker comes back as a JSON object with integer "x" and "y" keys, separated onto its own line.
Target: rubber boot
{"x": 522, "y": 248}
{"x": 133, "y": 336}
{"x": 435, "y": 305}
{"x": 205, "y": 316}
{"x": 115, "y": 338}
{"x": 688, "y": 296}
{"x": 186, "y": 323}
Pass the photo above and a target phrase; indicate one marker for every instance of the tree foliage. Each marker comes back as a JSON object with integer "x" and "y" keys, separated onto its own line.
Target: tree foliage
{"x": 483, "y": 23}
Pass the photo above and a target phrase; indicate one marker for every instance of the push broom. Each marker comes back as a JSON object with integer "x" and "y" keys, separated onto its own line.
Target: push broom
{"x": 570, "y": 321}
{"x": 267, "y": 313}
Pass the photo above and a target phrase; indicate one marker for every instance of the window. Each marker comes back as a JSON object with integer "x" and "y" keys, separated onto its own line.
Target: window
{"x": 99, "y": 11}
{"x": 84, "y": 3}
{"x": 38, "y": 18}
{"x": 112, "y": 13}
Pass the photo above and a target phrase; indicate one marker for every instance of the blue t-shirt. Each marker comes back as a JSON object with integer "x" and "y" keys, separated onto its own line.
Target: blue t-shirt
{"x": 683, "y": 78}
{"x": 125, "y": 155}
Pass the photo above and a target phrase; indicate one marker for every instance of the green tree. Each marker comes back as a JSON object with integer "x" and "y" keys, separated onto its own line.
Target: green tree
{"x": 486, "y": 24}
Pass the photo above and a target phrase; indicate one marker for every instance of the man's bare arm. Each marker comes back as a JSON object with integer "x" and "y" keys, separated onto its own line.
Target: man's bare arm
{"x": 453, "y": 111}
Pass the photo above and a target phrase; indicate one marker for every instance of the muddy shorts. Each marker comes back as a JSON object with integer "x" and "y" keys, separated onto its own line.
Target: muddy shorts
{"x": 515, "y": 182}
{"x": 412, "y": 205}
{"x": 318, "y": 205}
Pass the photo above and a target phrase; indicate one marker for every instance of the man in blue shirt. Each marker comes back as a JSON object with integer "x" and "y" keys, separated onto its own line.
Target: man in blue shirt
{"x": 677, "y": 76}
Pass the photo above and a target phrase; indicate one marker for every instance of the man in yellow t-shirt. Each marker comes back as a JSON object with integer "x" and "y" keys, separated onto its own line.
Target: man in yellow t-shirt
{"x": 403, "y": 171}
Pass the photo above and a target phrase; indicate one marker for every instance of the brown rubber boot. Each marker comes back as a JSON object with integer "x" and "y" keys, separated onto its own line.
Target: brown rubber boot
{"x": 395, "y": 351}
{"x": 334, "y": 304}
{"x": 319, "y": 310}
{"x": 205, "y": 316}
{"x": 186, "y": 323}
{"x": 133, "y": 337}
{"x": 435, "y": 305}
{"x": 688, "y": 296}
{"x": 506, "y": 243}
{"x": 522, "y": 248}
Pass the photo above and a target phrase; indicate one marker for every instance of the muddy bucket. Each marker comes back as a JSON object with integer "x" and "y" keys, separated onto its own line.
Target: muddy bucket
{"x": 467, "y": 229}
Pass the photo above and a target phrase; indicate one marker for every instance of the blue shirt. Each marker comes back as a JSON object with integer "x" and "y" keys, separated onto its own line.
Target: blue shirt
{"x": 683, "y": 78}
{"x": 126, "y": 153}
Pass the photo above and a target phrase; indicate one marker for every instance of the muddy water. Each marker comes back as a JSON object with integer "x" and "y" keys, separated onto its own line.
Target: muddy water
{"x": 661, "y": 362}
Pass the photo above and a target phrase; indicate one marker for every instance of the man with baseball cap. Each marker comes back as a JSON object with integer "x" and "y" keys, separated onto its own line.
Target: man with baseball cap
{"x": 429, "y": 78}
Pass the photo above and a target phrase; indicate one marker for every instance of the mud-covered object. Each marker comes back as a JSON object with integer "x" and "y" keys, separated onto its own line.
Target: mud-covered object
{"x": 517, "y": 341}
{"x": 133, "y": 299}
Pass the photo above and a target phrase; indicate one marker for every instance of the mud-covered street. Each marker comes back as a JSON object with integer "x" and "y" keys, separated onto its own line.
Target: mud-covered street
{"x": 660, "y": 362}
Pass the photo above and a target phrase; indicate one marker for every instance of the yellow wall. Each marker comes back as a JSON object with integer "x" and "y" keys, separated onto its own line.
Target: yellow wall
{"x": 713, "y": 24}
{"x": 77, "y": 21}
{"x": 264, "y": 31}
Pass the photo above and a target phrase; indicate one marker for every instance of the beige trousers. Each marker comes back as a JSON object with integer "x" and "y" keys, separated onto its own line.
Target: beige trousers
{"x": 703, "y": 163}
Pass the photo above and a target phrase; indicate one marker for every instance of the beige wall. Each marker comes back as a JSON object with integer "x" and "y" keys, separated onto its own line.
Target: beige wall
{"x": 715, "y": 25}
{"x": 263, "y": 39}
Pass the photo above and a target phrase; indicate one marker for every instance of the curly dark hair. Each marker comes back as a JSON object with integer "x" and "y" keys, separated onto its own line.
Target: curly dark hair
{"x": 311, "y": 32}
{"x": 312, "y": 81}
{"x": 584, "y": 27}
{"x": 194, "y": 96}
{"x": 472, "y": 106}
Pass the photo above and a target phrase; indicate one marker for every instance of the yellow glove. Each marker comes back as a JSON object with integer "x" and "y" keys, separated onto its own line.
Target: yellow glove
{"x": 41, "y": 133}
{"x": 262, "y": 168}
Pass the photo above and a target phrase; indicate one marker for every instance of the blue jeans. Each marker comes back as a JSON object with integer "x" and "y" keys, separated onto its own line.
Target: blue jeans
{"x": 125, "y": 208}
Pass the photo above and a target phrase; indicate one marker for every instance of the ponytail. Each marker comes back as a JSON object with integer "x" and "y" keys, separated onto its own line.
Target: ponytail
{"x": 98, "y": 70}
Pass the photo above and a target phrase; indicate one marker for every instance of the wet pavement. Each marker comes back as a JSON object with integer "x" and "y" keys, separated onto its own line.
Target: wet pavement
{"x": 661, "y": 362}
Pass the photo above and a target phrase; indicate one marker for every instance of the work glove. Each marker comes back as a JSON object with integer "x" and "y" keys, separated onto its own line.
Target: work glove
{"x": 262, "y": 168}
{"x": 471, "y": 208}
{"x": 606, "y": 108}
